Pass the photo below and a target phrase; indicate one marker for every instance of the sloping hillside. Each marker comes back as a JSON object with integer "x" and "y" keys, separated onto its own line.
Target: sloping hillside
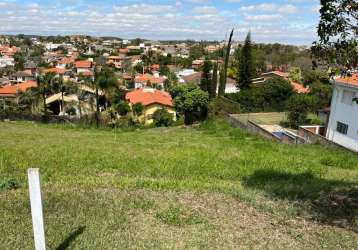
{"x": 208, "y": 187}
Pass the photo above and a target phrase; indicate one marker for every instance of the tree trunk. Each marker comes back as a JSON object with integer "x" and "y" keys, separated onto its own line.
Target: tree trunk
{"x": 223, "y": 74}
{"x": 97, "y": 108}
{"x": 44, "y": 104}
{"x": 62, "y": 103}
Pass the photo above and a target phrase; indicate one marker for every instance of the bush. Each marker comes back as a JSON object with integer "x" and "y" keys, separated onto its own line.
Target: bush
{"x": 137, "y": 109}
{"x": 162, "y": 117}
{"x": 272, "y": 95}
{"x": 123, "y": 108}
{"x": 298, "y": 106}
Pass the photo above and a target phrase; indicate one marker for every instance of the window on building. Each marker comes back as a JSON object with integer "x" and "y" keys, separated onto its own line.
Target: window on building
{"x": 347, "y": 97}
{"x": 342, "y": 128}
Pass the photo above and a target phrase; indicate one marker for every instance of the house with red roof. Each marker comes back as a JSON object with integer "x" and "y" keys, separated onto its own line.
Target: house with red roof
{"x": 343, "y": 120}
{"x": 13, "y": 90}
{"x": 83, "y": 66}
{"x": 297, "y": 87}
{"x": 152, "y": 100}
{"x": 148, "y": 80}
{"x": 65, "y": 62}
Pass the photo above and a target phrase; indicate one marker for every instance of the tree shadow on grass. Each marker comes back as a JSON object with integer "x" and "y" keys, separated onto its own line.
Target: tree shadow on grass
{"x": 330, "y": 202}
{"x": 70, "y": 238}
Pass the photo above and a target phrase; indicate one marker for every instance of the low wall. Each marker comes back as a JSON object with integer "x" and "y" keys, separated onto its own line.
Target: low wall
{"x": 313, "y": 138}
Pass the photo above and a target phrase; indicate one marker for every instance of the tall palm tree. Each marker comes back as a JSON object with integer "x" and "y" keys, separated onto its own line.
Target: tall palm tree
{"x": 60, "y": 86}
{"x": 44, "y": 83}
{"x": 29, "y": 99}
{"x": 103, "y": 80}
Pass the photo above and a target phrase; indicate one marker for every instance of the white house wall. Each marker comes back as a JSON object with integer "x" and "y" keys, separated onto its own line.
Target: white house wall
{"x": 345, "y": 113}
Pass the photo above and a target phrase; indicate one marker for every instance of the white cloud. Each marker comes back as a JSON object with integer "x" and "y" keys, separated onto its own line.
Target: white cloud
{"x": 262, "y": 17}
{"x": 270, "y": 7}
{"x": 205, "y": 10}
{"x": 268, "y": 22}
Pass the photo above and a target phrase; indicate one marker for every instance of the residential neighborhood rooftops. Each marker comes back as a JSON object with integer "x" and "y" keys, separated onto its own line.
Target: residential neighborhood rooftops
{"x": 12, "y": 90}
{"x": 59, "y": 71}
{"x": 83, "y": 64}
{"x": 148, "y": 96}
{"x": 144, "y": 78}
{"x": 21, "y": 74}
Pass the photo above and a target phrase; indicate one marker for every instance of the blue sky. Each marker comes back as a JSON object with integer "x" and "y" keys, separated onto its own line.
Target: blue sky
{"x": 283, "y": 21}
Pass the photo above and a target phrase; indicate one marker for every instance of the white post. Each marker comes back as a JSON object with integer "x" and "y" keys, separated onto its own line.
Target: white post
{"x": 36, "y": 208}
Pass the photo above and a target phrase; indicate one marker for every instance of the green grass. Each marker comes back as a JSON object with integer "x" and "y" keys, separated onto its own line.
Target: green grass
{"x": 212, "y": 187}
{"x": 272, "y": 118}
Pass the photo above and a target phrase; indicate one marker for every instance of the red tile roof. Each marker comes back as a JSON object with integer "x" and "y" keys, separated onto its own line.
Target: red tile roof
{"x": 349, "y": 80}
{"x": 12, "y": 90}
{"x": 148, "y": 77}
{"x": 66, "y": 60}
{"x": 54, "y": 70}
{"x": 299, "y": 88}
{"x": 123, "y": 51}
{"x": 83, "y": 64}
{"x": 148, "y": 96}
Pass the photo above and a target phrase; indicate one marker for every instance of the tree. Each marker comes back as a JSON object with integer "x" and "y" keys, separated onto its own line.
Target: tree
{"x": 162, "y": 117}
{"x": 246, "y": 64}
{"x": 272, "y": 95}
{"x": 314, "y": 76}
{"x": 190, "y": 101}
{"x": 103, "y": 80}
{"x": 295, "y": 74}
{"x": 298, "y": 106}
{"x": 44, "y": 83}
{"x": 29, "y": 99}
{"x": 205, "y": 81}
{"x": 214, "y": 82}
{"x": 275, "y": 92}
{"x": 19, "y": 61}
{"x": 60, "y": 86}
{"x": 223, "y": 74}
{"x": 338, "y": 32}
{"x": 321, "y": 94}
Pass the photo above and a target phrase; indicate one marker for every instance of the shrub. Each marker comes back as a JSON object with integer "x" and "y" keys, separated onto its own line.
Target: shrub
{"x": 122, "y": 108}
{"x": 162, "y": 117}
{"x": 298, "y": 106}
{"x": 137, "y": 109}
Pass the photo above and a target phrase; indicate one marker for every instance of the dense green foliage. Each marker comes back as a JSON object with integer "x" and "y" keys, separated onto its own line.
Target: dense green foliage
{"x": 246, "y": 65}
{"x": 206, "y": 78}
{"x": 338, "y": 33}
{"x": 191, "y": 102}
{"x": 298, "y": 108}
{"x": 271, "y": 95}
{"x": 162, "y": 118}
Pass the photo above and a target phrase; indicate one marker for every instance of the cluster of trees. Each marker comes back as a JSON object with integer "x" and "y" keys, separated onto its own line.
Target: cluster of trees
{"x": 190, "y": 102}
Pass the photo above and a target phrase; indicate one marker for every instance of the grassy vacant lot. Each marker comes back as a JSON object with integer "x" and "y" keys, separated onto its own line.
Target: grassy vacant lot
{"x": 211, "y": 187}
{"x": 272, "y": 118}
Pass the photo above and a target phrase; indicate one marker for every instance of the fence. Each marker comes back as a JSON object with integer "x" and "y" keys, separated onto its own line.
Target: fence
{"x": 313, "y": 138}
